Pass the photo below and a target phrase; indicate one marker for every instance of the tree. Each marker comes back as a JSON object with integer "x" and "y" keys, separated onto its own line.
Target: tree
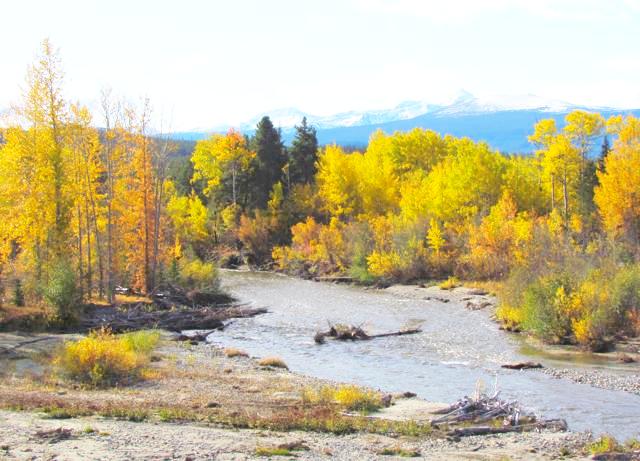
{"x": 618, "y": 195}
{"x": 269, "y": 161}
{"x": 220, "y": 158}
{"x": 562, "y": 162}
{"x": 604, "y": 151}
{"x": 303, "y": 154}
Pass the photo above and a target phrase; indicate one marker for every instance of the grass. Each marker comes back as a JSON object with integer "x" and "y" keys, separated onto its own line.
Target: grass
{"x": 348, "y": 397}
{"x": 273, "y": 362}
{"x": 232, "y": 352}
{"x": 398, "y": 451}
{"x": 104, "y": 359}
{"x": 273, "y": 451}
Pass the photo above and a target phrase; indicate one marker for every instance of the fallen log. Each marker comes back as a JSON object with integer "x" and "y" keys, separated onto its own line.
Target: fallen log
{"x": 522, "y": 365}
{"x": 558, "y": 425}
{"x": 9, "y": 350}
{"x": 342, "y": 332}
{"x": 172, "y": 320}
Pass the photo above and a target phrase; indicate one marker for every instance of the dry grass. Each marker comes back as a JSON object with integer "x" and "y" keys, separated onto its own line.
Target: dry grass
{"x": 399, "y": 451}
{"x": 273, "y": 362}
{"x": 232, "y": 352}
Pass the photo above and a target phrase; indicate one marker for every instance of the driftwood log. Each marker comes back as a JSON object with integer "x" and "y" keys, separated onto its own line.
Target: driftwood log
{"x": 522, "y": 365}
{"x": 557, "y": 425}
{"x": 354, "y": 333}
{"x": 137, "y": 318}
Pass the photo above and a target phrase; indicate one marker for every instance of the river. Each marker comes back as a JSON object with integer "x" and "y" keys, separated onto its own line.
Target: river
{"x": 457, "y": 350}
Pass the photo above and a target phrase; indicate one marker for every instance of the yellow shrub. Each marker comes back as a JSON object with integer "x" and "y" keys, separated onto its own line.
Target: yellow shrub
{"x": 358, "y": 399}
{"x": 450, "y": 284}
{"x": 582, "y": 330}
{"x": 103, "y": 359}
{"x": 510, "y": 316}
{"x": 384, "y": 264}
{"x": 349, "y": 397}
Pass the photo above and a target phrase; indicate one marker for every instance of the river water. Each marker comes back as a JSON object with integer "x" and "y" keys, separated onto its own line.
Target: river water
{"x": 457, "y": 350}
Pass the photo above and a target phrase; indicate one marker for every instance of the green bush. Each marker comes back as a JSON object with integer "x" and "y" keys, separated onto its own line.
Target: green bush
{"x": 62, "y": 294}
{"x": 545, "y": 308}
{"x": 18, "y": 293}
{"x": 625, "y": 298}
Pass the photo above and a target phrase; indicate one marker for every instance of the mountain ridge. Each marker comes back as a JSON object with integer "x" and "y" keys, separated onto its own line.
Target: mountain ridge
{"x": 504, "y": 122}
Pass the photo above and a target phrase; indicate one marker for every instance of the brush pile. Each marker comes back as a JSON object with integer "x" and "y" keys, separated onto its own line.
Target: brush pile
{"x": 492, "y": 415}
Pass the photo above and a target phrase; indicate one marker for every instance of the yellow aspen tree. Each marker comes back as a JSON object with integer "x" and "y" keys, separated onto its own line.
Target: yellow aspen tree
{"x": 618, "y": 195}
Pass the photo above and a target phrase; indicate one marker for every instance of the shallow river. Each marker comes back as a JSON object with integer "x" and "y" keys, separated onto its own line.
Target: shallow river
{"x": 457, "y": 349}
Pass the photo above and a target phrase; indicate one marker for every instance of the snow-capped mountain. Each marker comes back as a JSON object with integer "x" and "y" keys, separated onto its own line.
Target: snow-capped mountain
{"x": 287, "y": 118}
{"x": 502, "y": 121}
{"x": 463, "y": 104}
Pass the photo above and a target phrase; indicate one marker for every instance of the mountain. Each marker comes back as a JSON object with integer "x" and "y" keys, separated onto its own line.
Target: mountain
{"x": 504, "y": 122}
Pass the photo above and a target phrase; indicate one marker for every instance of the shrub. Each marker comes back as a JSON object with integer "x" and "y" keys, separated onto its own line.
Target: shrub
{"x": 274, "y": 362}
{"x": 104, "y": 359}
{"x": 231, "y": 352}
{"x": 18, "y": 294}
{"x": 349, "y": 397}
{"x": 625, "y": 298}
{"x": 199, "y": 275}
{"x": 605, "y": 444}
{"x": 546, "y": 306}
{"x": 62, "y": 294}
{"x": 450, "y": 284}
{"x": 355, "y": 398}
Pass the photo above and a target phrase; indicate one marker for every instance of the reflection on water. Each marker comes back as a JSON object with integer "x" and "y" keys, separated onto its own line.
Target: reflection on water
{"x": 457, "y": 348}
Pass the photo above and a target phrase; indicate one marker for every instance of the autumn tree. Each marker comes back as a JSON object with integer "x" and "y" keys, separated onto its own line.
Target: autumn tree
{"x": 618, "y": 195}
{"x": 220, "y": 159}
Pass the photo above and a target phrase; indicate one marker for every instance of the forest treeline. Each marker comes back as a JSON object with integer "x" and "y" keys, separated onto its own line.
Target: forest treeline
{"x": 85, "y": 210}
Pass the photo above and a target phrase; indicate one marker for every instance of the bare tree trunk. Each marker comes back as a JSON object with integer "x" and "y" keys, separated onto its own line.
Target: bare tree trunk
{"x": 80, "y": 270}
{"x": 89, "y": 258}
{"x": 565, "y": 193}
{"x": 108, "y": 154}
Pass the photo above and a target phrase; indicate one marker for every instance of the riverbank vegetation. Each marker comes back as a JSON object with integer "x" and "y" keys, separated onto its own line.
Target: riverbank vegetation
{"x": 104, "y": 359}
{"x": 109, "y": 207}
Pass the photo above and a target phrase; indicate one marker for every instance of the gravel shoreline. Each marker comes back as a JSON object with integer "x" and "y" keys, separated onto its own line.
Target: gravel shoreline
{"x": 597, "y": 378}
{"x": 94, "y": 438}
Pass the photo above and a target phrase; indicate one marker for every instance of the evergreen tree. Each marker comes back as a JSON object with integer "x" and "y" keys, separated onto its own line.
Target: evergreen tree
{"x": 303, "y": 154}
{"x": 270, "y": 158}
{"x": 604, "y": 151}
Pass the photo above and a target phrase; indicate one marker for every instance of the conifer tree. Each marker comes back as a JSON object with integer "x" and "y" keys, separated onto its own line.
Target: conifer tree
{"x": 269, "y": 161}
{"x": 303, "y": 154}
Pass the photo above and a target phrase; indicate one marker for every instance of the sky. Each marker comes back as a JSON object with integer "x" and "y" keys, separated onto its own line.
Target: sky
{"x": 207, "y": 63}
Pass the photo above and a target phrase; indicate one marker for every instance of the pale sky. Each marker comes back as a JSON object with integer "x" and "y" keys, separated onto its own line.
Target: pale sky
{"x": 205, "y": 63}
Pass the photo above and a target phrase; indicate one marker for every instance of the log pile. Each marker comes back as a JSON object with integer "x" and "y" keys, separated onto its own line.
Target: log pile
{"x": 483, "y": 412}
{"x": 343, "y": 332}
